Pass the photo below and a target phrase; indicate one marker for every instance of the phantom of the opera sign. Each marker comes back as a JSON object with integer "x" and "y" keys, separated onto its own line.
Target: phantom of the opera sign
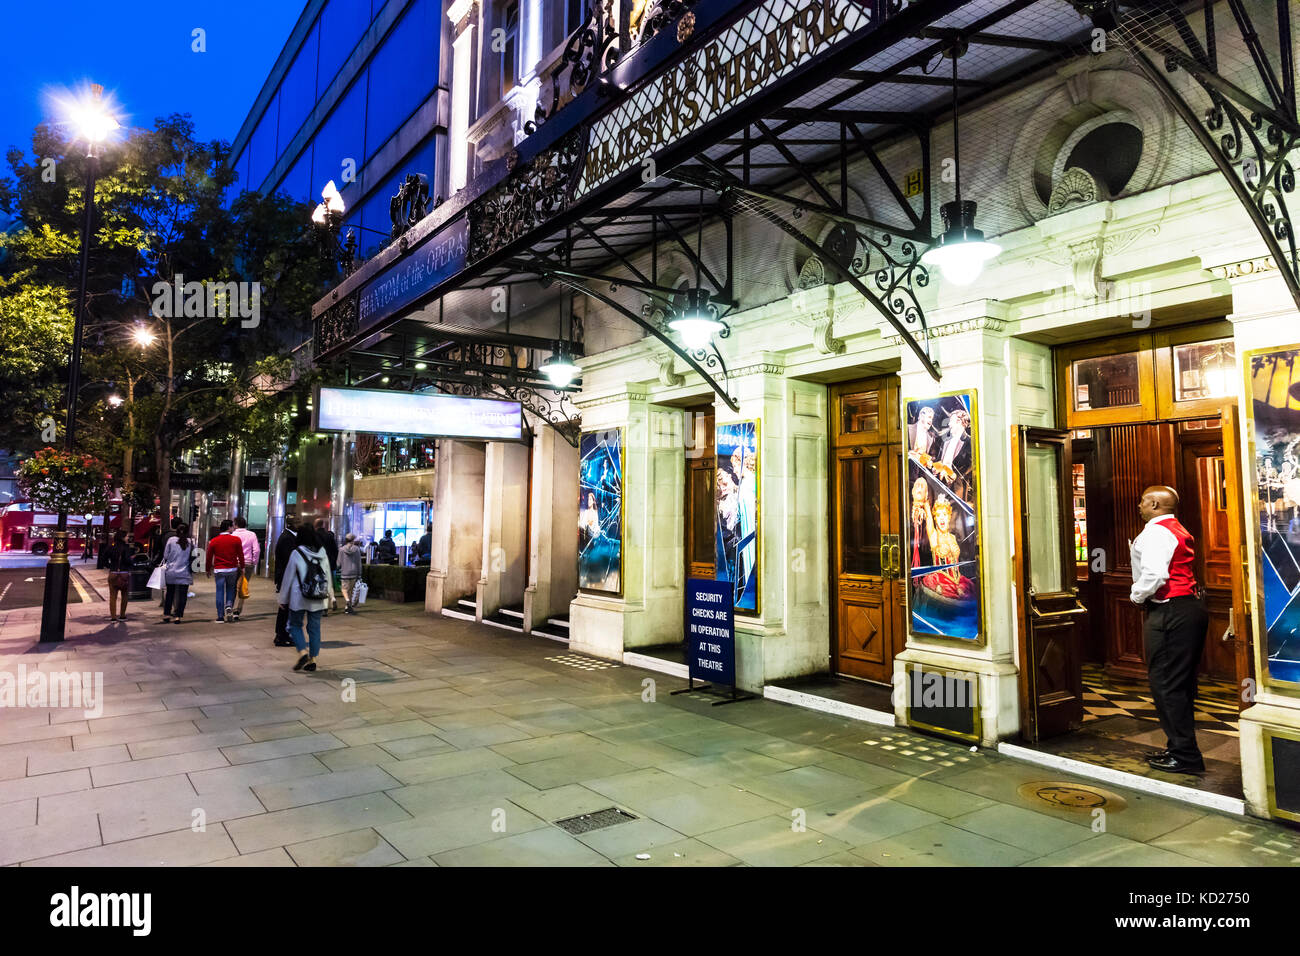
{"x": 416, "y": 274}
{"x": 766, "y": 44}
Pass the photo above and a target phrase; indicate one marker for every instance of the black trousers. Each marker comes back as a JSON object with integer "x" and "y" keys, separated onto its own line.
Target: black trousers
{"x": 1173, "y": 636}
{"x": 282, "y": 621}
{"x": 175, "y": 598}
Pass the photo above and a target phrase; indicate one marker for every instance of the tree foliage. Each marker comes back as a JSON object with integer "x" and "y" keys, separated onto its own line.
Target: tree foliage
{"x": 166, "y": 212}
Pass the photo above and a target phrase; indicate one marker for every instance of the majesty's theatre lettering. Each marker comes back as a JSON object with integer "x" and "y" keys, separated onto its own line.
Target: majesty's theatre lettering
{"x": 718, "y": 77}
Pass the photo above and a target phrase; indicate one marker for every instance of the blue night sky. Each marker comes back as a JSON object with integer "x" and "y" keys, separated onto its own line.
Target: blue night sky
{"x": 140, "y": 51}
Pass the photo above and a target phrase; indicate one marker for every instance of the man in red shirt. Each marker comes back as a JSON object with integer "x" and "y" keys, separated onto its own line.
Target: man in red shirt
{"x": 1173, "y": 630}
{"x": 226, "y": 564}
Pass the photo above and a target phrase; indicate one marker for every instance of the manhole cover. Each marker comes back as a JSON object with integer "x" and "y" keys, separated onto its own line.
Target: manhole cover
{"x": 596, "y": 820}
{"x": 1072, "y": 796}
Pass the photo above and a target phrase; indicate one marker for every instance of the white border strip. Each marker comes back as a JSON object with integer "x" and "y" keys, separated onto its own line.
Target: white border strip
{"x": 646, "y": 662}
{"x": 505, "y": 627}
{"x": 828, "y": 706}
{"x": 1134, "y": 781}
{"x": 458, "y": 615}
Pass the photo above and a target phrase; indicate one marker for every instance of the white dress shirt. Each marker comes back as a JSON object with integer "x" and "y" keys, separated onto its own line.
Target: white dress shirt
{"x": 1150, "y": 554}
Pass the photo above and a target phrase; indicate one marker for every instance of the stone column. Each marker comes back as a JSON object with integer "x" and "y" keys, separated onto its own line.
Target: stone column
{"x": 973, "y": 351}
{"x": 649, "y": 610}
{"x": 788, "y": 634}
{"x": 456, "y": 555}
{"x": 553, "y": 531}
{"x": 505, "y": 527}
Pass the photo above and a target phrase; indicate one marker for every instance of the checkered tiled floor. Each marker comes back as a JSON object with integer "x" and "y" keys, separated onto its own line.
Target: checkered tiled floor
{"x": 1216, "y": 707}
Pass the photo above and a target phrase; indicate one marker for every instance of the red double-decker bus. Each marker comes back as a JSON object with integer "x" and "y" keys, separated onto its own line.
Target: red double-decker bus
{"x": 25, "y": 528}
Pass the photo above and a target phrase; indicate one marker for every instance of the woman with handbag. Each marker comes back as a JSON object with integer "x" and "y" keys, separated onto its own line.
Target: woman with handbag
{"x": 178, "y": 574}
{"x": 117, "y": 561}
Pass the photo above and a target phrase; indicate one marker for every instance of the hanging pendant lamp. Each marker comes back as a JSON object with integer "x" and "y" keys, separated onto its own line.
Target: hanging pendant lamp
{"x": 962, "y": 251}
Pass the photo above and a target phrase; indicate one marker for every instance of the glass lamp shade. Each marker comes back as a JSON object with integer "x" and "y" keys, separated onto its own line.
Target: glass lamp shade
{"x": 962, "y": 251}
{"x": 559, "y": 370}
{"x": 696, "y": 330}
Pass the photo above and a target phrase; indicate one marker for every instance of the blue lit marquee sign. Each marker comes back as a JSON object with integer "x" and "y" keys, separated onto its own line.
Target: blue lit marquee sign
{"x": 425, "y": 414}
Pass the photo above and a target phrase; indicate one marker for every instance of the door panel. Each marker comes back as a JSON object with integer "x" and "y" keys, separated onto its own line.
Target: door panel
{"x": 1051, "y": 632}
{"x": 701, "y": 466}
{"x": 865, "y": 477}
{"x": 1240, "y": 630}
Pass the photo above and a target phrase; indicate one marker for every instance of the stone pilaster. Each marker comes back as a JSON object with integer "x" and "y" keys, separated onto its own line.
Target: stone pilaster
{"x": 456, "y": 554}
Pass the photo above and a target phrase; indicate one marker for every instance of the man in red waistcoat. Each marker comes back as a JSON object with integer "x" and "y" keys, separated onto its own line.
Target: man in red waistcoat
{"x": 1173, "y": 632}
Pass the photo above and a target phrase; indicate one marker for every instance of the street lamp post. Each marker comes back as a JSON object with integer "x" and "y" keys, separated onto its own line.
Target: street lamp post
{"x": 95, "y": 125}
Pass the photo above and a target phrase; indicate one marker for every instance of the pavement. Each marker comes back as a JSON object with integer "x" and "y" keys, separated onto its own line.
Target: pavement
{"x": 426, "y": 741}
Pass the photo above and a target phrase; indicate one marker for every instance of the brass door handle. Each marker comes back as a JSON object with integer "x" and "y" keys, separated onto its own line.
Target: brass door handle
{"x": 896, "y": 555}
{"x": 1068, "y": 612}
{"x": 884, "y": 557}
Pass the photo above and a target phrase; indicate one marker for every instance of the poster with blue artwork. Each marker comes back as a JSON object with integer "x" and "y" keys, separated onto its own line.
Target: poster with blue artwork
{"x": 1274, "y": 396}
{"x": 600, "y": 511}
{"x": 736, "y": 529}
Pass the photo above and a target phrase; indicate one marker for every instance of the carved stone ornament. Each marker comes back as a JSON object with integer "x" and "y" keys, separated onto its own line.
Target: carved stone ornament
{"x": 813, "y": 273}
{"x": 667, "y": 377}
{"x": 823, "y": 337}
{"x": 1077, "y": 187}
{"x": 1247, "y": 267}
{"x": 1084, "y": 258}
{"x": 984, "y": 323}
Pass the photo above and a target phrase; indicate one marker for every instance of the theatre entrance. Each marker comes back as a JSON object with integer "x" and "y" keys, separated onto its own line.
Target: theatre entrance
{"x": 866, "y": 523}
{"x": 1153, "y": 409}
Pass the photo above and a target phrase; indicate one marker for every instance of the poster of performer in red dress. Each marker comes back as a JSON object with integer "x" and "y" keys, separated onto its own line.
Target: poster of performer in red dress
{"x": 943, "y": 526}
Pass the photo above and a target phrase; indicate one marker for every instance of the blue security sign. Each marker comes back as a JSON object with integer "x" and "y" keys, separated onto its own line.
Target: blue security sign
{"x": 710, "y": 631}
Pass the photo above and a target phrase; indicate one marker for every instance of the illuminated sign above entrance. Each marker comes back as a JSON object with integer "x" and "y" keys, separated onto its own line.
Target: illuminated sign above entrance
{"x": 424, "y": 414}
{"x": 763, "y": 46}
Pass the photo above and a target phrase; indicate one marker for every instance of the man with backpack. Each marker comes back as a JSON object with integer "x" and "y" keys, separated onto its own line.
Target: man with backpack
{"x": 307, "y": 585}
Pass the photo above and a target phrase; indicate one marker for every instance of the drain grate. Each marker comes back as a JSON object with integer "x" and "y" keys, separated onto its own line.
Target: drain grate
{"x": 596, "y": 820}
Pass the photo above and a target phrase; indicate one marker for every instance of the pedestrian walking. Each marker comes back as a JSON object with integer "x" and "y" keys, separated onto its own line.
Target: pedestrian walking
{"x": 117, "y": 559}
{"x": 303, "y": 593}
{"x": 350, "y": 571}
{"x": 225, "y": 563}
{"x": 284, "y": 546}
{"x": 331, "y": 545}
{"x": 252, "y": 552}
{"x": 1173, "y": 629}
{"x": 178, "y": 573}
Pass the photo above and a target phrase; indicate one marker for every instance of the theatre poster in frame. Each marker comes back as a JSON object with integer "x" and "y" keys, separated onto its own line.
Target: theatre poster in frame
{"x": 736, "y": 529}
{"x": 945, "y": 595}
{"x": 1273, "y": 404}
{"x": 600, "y": 511}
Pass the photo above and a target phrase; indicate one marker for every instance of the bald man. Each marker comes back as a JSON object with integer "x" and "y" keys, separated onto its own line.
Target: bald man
{"x": 1173, "y": 630}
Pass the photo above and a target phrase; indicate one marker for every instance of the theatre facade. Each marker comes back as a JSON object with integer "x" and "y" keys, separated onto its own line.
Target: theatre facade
{"x": 884, "y": 313}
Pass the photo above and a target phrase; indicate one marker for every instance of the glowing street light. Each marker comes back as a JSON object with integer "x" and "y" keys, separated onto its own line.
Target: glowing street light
{"x": 143, "y": 337}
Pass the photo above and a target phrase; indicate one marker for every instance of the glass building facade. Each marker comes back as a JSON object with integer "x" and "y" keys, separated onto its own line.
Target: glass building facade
{"x": 353, "y": 98}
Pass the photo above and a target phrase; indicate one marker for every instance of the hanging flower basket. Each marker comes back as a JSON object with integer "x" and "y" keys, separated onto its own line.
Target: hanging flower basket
{"x": 65, "y": 481}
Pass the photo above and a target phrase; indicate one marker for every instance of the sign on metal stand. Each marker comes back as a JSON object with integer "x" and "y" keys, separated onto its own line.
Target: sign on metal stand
{"x": 711, "y": 638}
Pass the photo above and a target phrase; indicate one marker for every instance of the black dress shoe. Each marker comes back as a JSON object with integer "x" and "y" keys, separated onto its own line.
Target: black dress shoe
{"x": 1157, "y": 754}
{"x": 282, "y": 642}
{"x": 1173, "y": 765}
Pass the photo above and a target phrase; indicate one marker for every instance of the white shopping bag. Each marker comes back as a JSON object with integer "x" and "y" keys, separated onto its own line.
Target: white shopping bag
{"x": 156, "y": 579}
{"x": 359, "y": 589}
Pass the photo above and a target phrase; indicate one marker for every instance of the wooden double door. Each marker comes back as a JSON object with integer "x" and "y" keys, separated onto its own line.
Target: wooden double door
{"x": 1073, "y": 574}
{"x": 867, "y": 567}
